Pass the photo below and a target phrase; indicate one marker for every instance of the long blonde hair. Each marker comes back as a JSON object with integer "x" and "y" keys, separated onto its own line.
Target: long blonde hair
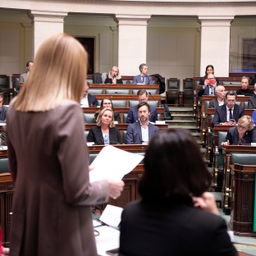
{"x": 58, "y": 74}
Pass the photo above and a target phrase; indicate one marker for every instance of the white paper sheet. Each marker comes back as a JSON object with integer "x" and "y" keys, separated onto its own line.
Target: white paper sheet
{"x": 108, "y": 239}
{"x": 111, "y": 215}
{"x": 113, "y": 163}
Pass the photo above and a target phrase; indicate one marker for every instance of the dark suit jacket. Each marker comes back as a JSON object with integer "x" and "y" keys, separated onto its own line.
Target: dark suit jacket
{"x": 233, "y": 138}
{"x": 147, "y": 80}
{"x": 116, "y": 116}
{"x": 220, "y": 115}
{"x": 3, "y": 112}
{"x": 3, "y": 141}
{"x": 213, "y": 103}
{"x": 133, "y": 135}
{"x": 252, "y": 102}
{"x": 246, "y": 92}
{"x": 132, "y": 116}
{"x": 110, "y": 81}
{"x": 178, "y": 229}
{"x": 93, "y": 102}
{"x": 95, "y": 135}
{"x": 205, "y": 91}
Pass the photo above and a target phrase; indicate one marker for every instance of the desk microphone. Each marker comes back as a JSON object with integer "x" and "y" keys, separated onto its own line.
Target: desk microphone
{"x": 153, "y": 99}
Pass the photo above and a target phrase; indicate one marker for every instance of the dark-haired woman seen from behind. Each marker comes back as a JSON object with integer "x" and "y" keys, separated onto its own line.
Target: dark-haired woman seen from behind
{"x": 105, "y": 131}
{"x": 107, "y": 103}
{"x": 176, "y": 216}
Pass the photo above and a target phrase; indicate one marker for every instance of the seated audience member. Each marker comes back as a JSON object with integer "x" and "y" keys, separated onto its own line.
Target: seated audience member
{"x": 209, "y": 86}
{"x": 3, "y": 141}
{"x": 175, "y": 215}
{"x": 208, "y": 70}
{"x": 252, "y": 102}
{"x": 3, "y": 109}
{"x": 88, "y": 99}
{"x": 230, "y": 112}
{"x": 29, "y": 66}
{"x": 143, "y": 77}
{"x": 220, "y": 97}
{"x": 105, "y": 131}
{"x": 141, "y": 131}
{"x": 107, "y": 103}
{"x": 113, "y": 76}
{"x": 245, "y": 87}
{"x": 133, "y": 111}
{"x": 254, "y": 117}
{"x": 243, "y": 133}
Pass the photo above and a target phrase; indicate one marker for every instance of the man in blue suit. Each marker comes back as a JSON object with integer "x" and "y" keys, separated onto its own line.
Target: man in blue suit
{"x": 133, "y": 111}
{"x": 230, "y": 112}
{"x": 143, "y": 78}
{"x": 141, "y": 131}
{"x": 88, "y": 99}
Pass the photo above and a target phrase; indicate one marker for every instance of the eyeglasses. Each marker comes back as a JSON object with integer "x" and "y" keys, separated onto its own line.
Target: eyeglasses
{"x": 114, "y": 70}
{"x": 242, "y": 127}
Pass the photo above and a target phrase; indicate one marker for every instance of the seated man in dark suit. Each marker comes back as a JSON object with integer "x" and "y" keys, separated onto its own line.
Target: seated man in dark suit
{"x": 88, "y": 100}
{"x": 3, "y": 109}
{"x": 141, "y": 131}
{"x": 143, "y": 78}
{"x": 230, "y": 112}
{"x": 252, "y": 100}
{"x": 209, "y": 86}
{"x": 3, "y": 141}
{"x": 245, "y": 87}
{"x": 220, "y": 97}
{"x": 133, "y": 111}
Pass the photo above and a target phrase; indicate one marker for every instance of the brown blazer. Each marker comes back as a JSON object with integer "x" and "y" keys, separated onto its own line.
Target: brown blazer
{"x": 48, "y": 160}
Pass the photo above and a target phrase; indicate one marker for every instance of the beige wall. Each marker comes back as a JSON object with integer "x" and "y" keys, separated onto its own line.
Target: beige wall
{"x": 173, "y": 43}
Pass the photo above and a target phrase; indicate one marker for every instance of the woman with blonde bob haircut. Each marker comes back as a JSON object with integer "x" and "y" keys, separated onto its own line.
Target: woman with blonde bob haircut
{"x": 243, "y": 133}
{"x": 105, "y": 131}
{"x": 113, "y": 76}
{"x": 47, "y": 150}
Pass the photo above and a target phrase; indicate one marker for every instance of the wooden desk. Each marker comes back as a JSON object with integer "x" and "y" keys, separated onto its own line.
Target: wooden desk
{"x": 122, "y": 111}
{"x": 126, "y": 86}
{"x": 228, "y": 151}
{"x": 243, "y": 182}
{"x": 124, "y": 126}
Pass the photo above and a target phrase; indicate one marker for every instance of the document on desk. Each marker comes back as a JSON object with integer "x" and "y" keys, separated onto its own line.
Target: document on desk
{"x": 113, "y": 163}
{"x": 107, "y": 239}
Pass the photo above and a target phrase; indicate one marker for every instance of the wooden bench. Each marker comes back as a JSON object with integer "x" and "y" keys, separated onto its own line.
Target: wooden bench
{"x": 132, "y": 88}
{"x": 242, "y": 204}
{"x": 130, "y": 192}
{"x": 234, "y": 154}
{"x": 122, "y": 111}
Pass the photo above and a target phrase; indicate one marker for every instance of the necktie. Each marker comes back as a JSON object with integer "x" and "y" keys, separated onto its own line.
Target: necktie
{"x": 142, "y": 79}
{"x": 230, "y": 114}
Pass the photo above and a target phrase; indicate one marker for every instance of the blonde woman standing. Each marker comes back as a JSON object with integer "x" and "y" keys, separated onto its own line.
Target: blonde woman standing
{"x": 48, "y": 157}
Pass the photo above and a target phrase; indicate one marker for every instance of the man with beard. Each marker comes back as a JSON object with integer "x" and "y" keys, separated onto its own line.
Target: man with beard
{"x": 141, "y": 131}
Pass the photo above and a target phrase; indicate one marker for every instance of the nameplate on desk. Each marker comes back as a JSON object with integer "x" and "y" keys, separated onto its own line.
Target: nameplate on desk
{"x": 253, "y": 144}
{"x": 160, "y": 122}
{"x": 111, "y": 215}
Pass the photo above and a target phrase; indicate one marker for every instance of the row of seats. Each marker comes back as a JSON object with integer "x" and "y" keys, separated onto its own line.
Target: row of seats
{"x": 115, "y": 91}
